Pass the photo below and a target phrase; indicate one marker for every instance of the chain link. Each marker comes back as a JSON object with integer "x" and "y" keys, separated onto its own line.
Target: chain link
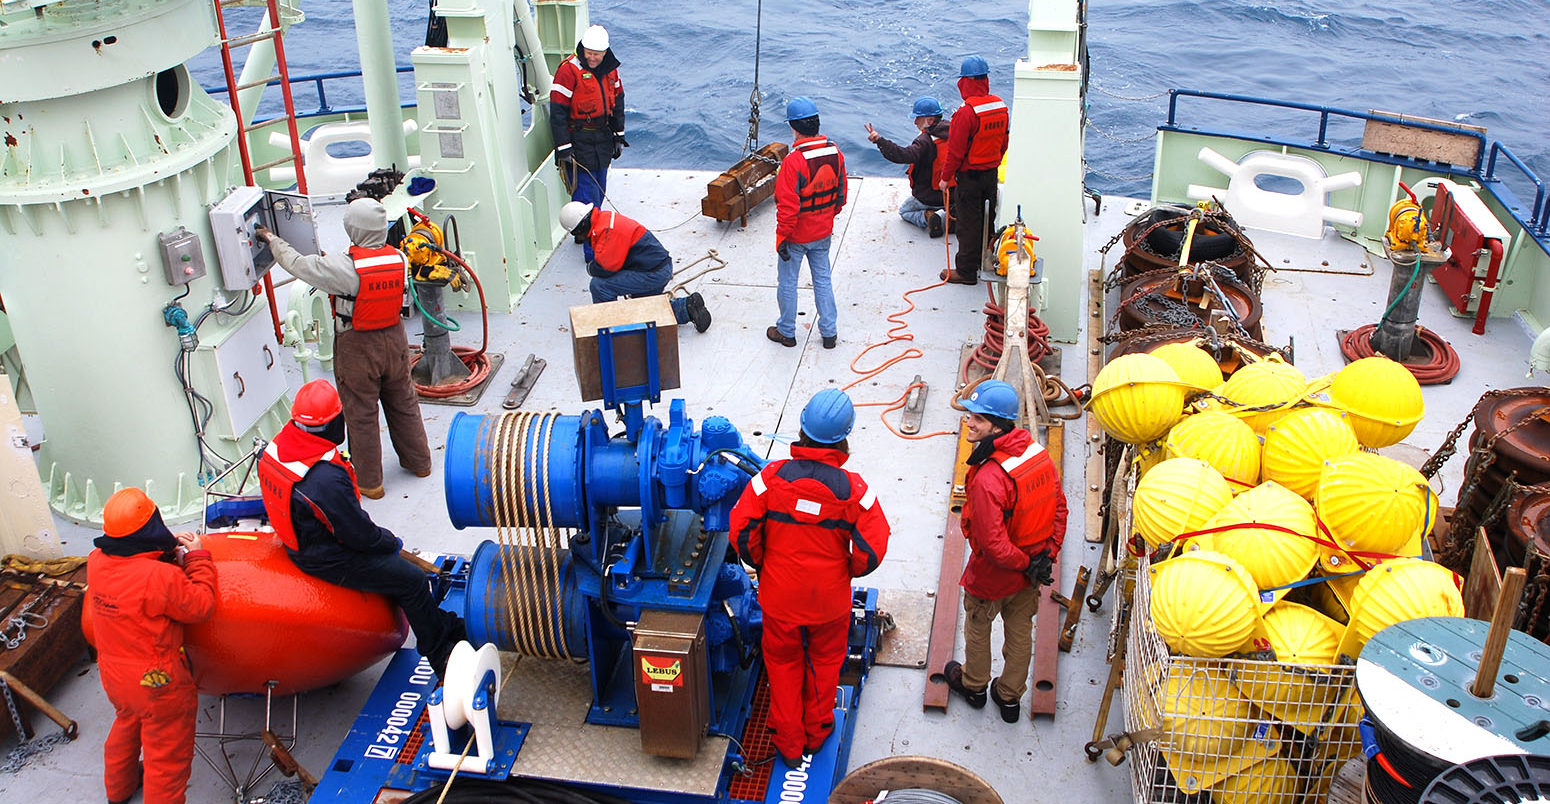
{"x": 1101, "y": 90}
{"x": 1108, "y": 135}
{"x": 1087, "y": 168}
{"x": 283, "y": 791}
{"x": 26, "y": 749}
{"x": 15, "y": 631}
{"x": 1460, "y": 549}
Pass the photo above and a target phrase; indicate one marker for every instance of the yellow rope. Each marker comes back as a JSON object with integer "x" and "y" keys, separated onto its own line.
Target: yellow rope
{"x": 530, "y": 544}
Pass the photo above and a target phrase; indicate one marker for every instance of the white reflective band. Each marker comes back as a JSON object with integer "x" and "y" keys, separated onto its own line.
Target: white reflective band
{"x": 868, "y": 499}
{"x": 821, "y": 152}
{"x": 989, "y": 107}
{"x": 296, "y": 468}
{"x": 758, "y": 484}
{"x": 1033, "y": 451}
{"x": 560, "y": 89}
{"x": 386, "y": 259}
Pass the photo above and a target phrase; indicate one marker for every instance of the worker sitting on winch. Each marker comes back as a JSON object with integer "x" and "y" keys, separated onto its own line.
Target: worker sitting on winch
{"x": 146, "y": 584}
{"x": 313, "y": 503}
{"x": 808, "y": 526}
{"x": 1015, "y": 520}
{"x": 924, "y": 156}
{"x": 628, "y": 260}
{"x": 371, "y": 350}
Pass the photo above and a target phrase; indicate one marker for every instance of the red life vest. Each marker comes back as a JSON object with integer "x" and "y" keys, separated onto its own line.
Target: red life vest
{"x": 277, "y": 480}
{"x": 1030, "y": 523}
{"x": 613, "y": 235}
{"x": 381, "y": 296}
{"x": 825, "y": 180}
{"x": 578, "y": 87}
{"x": 937, "y": 162}
{"x": 990, "y": 140}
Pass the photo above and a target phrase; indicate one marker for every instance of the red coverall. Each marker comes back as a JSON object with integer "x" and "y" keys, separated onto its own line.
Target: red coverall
{"x": 139, "y": 606}
{"x": 809, "y": 527}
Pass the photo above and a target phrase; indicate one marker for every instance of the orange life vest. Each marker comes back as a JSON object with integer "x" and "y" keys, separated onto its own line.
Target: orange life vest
{"x": 990, "y": 139}
{"x": 381, "y": 296}
{"x": 825, "y": 184}
{"x": 613, "y": 235}
{"x": 1031, "y": 520}
{"x": 277, "y": 480}
{"x": 590, "y": 99}
{"x": 937, "y": 162}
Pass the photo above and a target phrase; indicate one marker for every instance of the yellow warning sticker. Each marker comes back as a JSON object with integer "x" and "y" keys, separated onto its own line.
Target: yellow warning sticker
{"x": 661, "y": 671}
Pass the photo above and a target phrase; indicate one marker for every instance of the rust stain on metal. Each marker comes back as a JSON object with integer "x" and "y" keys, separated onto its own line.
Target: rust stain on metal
{"x": 10, "y": 140}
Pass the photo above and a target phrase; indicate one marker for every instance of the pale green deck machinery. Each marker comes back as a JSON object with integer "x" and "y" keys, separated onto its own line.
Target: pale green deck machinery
{"x": 110, "y": 149}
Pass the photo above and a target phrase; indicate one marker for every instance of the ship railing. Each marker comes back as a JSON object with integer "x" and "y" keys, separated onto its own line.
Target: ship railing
{"x": 319, "y": 88}
{"x": 1539, "y": 212}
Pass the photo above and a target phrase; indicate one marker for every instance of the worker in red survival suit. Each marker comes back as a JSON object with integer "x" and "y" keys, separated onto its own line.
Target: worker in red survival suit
{"x": 371, "y": 350}
{"x": 1015, "y": 521}
{"x": 146, "y": 583}
{"x": 628, "y": 260}
{"x": 808, "y": 526}
{"x": 976, "y": 141}
{"x": 586, "y": 116}
{"x": 311, "y": 497}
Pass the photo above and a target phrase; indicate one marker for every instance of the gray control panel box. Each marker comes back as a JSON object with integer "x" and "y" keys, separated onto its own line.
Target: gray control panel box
{"x": 243, "y": 258}
{"x": 181, "y": 255}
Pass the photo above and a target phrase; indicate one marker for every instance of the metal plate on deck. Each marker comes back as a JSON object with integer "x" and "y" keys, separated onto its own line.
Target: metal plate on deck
{"x": 470, "y": 397}
{"x": 905, "y": 645}
{"x": 554, "y": 697}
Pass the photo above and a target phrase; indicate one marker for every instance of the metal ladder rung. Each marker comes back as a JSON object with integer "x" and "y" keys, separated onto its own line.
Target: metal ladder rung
{"x": 258, "y": 36}
{"x": 264, "y": 124}
{"x": 258, "y": 83}
{"x": 284, "y": 160}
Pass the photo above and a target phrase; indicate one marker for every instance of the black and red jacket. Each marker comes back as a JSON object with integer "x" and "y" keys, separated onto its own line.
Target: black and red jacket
{"x": 979, "y": 130}
{"x": 321, "y": 516}
{"x": 1015, "y": 509}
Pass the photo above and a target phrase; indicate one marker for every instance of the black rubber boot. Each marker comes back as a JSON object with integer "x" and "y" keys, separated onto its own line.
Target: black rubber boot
{"x": 1010, "y": 710}
{"x": 954, "y": 673}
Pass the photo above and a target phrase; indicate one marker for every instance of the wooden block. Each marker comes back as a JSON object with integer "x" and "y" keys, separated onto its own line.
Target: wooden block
{"x": 1484, "y": 581}
{"x": 1394, "y": 137}
{"x": 745, "y": 185}
{"x": 49, "y": 652}
{"x": 1047, "y": 623}
{"x": 1094, "y": 531}
{"x": 629, "y": 350}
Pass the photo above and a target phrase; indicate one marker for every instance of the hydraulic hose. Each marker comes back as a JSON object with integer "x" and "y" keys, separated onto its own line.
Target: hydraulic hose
{"x": 476, "y": 361}
{"x": 1443, "y": 366}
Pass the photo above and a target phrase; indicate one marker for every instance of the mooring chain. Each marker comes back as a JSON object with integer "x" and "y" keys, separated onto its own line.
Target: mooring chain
{"x": 1461, "y": 530}
{"x": 26, "y": 749}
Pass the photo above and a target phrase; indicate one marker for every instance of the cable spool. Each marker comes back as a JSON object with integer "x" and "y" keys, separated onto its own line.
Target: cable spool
{"x": 1492, "y": 780}
{"x": 1414, "y": 679}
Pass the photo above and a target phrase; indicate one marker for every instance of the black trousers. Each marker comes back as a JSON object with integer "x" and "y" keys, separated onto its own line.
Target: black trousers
{"x": 435, "y": 630}
{"x": 974, "y": 203}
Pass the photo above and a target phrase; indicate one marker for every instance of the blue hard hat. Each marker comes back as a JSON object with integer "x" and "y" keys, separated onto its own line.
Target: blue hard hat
{"x": 801, "y": 108}
{"x": 973, "y": 66}
{"x": 828, "y": 417}
{"x": 927, "y": 107}
{"x": 993, "y": 398}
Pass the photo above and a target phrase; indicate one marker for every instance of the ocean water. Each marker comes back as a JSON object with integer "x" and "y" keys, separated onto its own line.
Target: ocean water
{"x": 688, "y": 68}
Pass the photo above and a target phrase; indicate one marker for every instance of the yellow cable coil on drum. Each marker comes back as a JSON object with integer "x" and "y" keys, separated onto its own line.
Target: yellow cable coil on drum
{"x": 1297, "y": 446}
{"x": 1221, "y": 440}
{"x": 1177, "y": 496}
{"x": 1136, "y": 398}
{"x": 1194, "y": 365}
{"x": 1272, "y": 556}
{"x": 1372, "y": 504}
{"x": 1383, "y": 398}
{"x": 1296, "y": 696}
{"x": 1271, "y": 381}
{"x": 1274, "y": 781}
{"x": 1396, "y": 591}
{"x": 1204, "y": 604}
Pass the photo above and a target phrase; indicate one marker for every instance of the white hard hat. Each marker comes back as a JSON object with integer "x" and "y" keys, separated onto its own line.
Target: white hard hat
{"x": 573, "y": 213}
{"x": 596, "y": 38}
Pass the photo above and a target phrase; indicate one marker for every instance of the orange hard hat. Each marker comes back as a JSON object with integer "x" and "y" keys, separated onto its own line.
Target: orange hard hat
{"x": 317, "y": 403}
{"x": 126, "y": 512}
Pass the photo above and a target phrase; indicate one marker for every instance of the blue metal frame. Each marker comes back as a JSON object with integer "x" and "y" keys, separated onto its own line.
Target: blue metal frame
{"x": 1534, "y": 217}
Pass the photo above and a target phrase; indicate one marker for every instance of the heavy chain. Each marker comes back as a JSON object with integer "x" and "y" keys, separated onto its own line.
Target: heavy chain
{"x": 26, "y": 749}
{"x": 1461, "y": 530}
{"x": 283, "y": 791}
{"x": 15, "y": 631}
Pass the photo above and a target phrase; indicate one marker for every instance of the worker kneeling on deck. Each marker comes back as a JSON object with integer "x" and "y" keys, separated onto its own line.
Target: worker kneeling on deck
{"x": 809, "y": 527}
{"x": 146, "y": 584}
{"x": 1015, "y": 521}
{"x": 628, "y": 260}
{"x": 314, "y": 505}
{"x": 924, "y": 157}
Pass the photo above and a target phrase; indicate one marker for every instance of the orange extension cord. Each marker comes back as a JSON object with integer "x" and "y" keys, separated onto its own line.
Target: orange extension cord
{"x": 477, "y": 362}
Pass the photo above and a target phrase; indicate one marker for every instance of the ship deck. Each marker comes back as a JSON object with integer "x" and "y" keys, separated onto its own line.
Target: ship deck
{"x": 760, "y": 386}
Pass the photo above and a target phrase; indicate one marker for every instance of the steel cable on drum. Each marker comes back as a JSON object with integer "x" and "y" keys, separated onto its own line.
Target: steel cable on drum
{"x": 917, "y": 795}
{"x": 529, "y": 541}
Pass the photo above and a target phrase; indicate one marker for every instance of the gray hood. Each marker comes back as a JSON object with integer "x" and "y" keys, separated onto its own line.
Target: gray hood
{"x": 365, "y": 221}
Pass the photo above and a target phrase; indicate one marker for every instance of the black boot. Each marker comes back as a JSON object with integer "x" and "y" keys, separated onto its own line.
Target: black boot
{"x": 439, "y": 653}
{"x": 954, "y": 673}
{"x": 1009, "y": 709}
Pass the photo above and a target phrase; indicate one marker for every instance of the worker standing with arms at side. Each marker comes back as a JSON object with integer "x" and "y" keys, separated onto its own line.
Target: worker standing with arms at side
{"x": 808, "y": 526}
{"x": 628, "y": 260}
{"x": 809, "y": 192}
{"x": 311, "y": 497}
{"x": 924, "y": 156}
{"x": 1015, "y": 521}
{"x": 586, "y": 116}
{"x": 371, "y": 349}
{"x": 146, "y": 584}
{"x": 975, "y": 145}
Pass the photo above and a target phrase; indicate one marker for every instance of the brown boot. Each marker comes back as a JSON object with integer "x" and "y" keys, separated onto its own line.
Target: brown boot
{"x": 954, "y": 673}
{"x": 373, "y": 493}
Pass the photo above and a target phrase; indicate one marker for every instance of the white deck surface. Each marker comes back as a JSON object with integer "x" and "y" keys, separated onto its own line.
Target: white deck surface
{"x": 734, "y": 371}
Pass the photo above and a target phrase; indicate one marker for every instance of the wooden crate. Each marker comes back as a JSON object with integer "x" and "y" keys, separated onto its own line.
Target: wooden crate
{"x": 747, "y": 184}
{"x": 49, "y": 652}
{"x": 629, "y": 350}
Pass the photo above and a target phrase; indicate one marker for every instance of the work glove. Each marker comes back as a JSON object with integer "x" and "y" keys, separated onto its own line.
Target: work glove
{"x": 1040, "y": 571}
{"x": 783, "y": 250}
{"x": 562, "y": 154}
{"x": 619, "y": 145}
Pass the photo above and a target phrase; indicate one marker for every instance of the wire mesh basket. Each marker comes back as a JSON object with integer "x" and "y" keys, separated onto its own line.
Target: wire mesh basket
{"x": 1232, "y": 731}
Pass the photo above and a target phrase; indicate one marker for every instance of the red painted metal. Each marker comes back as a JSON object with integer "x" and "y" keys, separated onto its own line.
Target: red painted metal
{"x": 1466, "y": 242}
{"x": 275, "y": 623}
{"x": 758, "y": 749}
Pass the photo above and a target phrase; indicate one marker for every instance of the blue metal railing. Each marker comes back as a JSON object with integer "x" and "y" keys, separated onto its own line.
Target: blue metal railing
{"x": 1536, "y": 222}
{"x": 316, "y": 80}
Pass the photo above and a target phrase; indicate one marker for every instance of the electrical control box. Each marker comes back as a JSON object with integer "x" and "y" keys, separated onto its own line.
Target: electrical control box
{"x": 244, "y": 259}
{"x": 181, "y": 255}
{"x": 672, "y": 682}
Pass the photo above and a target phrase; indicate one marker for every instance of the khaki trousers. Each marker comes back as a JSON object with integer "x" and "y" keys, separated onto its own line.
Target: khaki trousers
{"x": 373, "y": 367}
{"x": 1016, "y": 612}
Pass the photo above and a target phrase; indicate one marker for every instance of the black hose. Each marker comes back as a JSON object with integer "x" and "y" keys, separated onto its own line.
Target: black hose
{"x": 1414, "y": 766}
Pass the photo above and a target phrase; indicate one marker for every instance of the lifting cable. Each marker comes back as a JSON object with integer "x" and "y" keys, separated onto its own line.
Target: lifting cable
{"x": 752, "y": 139}
{"x": 529, "y": 541}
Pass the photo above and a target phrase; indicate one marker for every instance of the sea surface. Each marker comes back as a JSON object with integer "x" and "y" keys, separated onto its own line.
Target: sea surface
{"x": 688, "y": 68}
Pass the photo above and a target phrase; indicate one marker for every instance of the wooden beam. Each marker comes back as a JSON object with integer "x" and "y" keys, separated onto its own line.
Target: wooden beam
{"x": 944, "y": 616}
{"x": 1047, "y": 623}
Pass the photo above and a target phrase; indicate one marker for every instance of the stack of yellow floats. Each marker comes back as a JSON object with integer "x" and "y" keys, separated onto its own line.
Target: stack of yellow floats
{"x": 1280, "y": 541}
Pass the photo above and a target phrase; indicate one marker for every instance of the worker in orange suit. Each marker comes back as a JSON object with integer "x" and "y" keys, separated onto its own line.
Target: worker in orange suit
{"x": 146, "y": 584}
{"x": 809, "y": 527}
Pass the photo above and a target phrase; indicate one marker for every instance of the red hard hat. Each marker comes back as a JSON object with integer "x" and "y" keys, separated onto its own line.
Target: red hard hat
{"x": 126, "y": 512}
{"x": 317, "y": 403}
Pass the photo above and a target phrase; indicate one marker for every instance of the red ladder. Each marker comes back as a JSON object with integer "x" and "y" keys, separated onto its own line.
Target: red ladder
{"x": 250, "y": 170}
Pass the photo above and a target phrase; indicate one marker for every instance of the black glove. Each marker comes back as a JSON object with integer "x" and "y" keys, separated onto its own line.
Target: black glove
{"x": 1040, "y": 569}
{"x": 783, "y": 250}
{"x": 619, "y": 145}
{"x": 562, "y": 154}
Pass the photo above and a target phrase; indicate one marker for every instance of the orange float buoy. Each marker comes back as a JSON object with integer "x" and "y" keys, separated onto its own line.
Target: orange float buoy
{"x": 273, "y": 622}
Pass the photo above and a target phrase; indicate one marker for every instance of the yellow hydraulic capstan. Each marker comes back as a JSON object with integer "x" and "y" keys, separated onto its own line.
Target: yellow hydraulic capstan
{"x": 1408, "y": 227}
{"x": 425, "y": 246}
